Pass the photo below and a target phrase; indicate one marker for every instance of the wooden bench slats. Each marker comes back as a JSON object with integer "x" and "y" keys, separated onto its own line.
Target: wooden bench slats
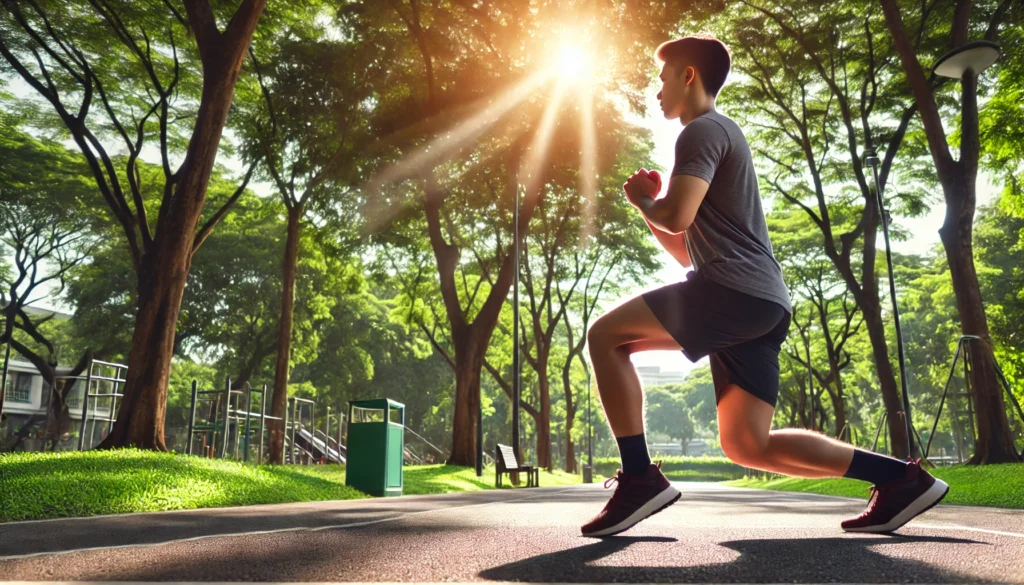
{"x": 505, "y": 462}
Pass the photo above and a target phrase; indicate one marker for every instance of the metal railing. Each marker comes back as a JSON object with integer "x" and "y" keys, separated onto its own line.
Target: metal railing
{"x": 117, "y": 380}
{"x": 231, "y": 424}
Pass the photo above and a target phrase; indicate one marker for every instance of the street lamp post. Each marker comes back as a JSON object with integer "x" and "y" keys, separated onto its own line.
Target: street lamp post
{"x": 516, "y": 379}
{"x": 590, "y": 433}
{"x": 871, "y": 157}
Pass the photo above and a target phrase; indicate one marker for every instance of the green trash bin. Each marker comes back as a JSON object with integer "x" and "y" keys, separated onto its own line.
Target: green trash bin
{"x": 376, "y": 442}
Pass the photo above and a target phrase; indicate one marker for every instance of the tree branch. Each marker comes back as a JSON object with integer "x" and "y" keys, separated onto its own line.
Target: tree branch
{"x": 219, "y": 215}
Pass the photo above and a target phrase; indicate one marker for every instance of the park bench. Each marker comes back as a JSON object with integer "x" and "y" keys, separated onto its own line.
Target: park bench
{"x": 505, "y": 462}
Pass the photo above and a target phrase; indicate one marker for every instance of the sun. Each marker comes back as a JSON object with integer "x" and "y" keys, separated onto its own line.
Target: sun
{"x": 573, "y": 62}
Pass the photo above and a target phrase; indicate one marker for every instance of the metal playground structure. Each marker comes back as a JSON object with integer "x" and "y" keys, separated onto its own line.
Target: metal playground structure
{"x": 232, "y": 423}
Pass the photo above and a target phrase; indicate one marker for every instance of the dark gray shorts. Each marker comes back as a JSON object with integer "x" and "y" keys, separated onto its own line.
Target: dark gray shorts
{"x": 743, "y": 334}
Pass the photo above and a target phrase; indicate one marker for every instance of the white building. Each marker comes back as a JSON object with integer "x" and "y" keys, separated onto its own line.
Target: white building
{"x": 652, "y": 376}
{"x": 27, "y": 399}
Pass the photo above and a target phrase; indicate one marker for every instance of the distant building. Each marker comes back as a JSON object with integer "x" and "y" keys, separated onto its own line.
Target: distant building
{"x": 652, "y": 376}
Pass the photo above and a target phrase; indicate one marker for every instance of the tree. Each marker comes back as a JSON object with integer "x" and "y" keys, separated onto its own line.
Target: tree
{"x": 958, "y": 178}
{"x": 47, "y": 230}
{"x": 64, "y": 52}
{"x": 312, "y": 128}
{"x": 668, "y": 414}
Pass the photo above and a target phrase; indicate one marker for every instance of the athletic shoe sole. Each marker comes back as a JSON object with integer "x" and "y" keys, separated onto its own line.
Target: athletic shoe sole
{"x": 666, "y": 498}
{"x": 922, "y": 504}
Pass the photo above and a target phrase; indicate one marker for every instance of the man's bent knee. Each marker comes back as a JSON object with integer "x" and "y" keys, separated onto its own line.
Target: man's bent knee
{"x": 743, "y": 447}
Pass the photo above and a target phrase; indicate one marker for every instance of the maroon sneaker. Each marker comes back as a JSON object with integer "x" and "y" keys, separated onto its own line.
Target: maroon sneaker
{"x": 635, "y": 498}
{"x": 895, "y": 503}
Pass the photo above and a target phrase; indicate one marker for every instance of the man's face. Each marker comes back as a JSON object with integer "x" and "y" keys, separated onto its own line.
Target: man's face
{"x": 674, "y": 91}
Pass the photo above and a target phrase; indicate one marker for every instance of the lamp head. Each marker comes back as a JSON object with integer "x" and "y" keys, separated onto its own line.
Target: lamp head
{"x": 870, "y": 155}
{"x": 975, "y": 56}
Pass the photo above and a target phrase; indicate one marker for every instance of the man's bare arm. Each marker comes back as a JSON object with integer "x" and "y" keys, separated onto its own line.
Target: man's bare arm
{"x": 674, "y": 212}
{"x": 675, "y": 244}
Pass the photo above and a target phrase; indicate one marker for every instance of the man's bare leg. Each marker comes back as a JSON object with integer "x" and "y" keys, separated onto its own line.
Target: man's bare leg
{"x": 629, "y": 328}
{"x": 642, "y": 489}
{"x": 745, "y": 422}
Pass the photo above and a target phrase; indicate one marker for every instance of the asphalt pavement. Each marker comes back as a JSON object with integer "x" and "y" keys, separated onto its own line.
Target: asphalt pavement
{"x": 713, "y": 534}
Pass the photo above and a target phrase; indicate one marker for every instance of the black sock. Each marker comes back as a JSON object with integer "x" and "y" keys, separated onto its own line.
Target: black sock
{"x": 875, "y": 468}
{"x": 633, "y": 451}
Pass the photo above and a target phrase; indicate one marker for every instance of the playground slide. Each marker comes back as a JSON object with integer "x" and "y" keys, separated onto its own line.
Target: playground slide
{"x": 316, "y": 446}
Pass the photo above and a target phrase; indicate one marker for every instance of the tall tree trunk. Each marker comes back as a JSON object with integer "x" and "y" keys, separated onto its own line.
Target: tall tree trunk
{"x": 840, "y": 408}
{"x": 570, "y": 419}
{"x": 544, "y": 458}
{"x": 468, "y": 364}
{"x": 162, "y": 276}
{"x": 284, "y": 333}
{"x": 835, "y": 390}
{"x": 994, "y": 442}
{"x": 470, "y": 339}
{"x": 544, "y": 429}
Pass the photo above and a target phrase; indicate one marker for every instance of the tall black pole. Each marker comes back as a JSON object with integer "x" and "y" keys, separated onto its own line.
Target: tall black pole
{"x": 3, "y": 379}
{"x": 590, "y": 430}
{"x": 480, "y": 433}
{"x": 516, "y": 388}
{"x": 810, "y": 372}
{"x": 871, "y": 157}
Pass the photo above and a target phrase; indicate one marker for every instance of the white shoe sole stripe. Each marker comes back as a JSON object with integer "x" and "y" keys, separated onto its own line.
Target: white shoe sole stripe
{"x": 653, "y": 505}
{"x": 922, "y": 503}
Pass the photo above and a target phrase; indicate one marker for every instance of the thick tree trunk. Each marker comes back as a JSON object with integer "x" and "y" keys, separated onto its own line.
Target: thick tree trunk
{"x": 570, "y": 454}
{"x": 994, "y": 443}
{"x": 835, "y": 390}
{"x": 840, "y": 408}
{"x": 544, "y": 458}
{"x": 162, "y": 276}
{"x": 470, "y": 339}
{"x": 468, "y": 364}
{"x": 544, "y": 433}
{"x": 570, "y": 448}
{"x": 284, "y": 334}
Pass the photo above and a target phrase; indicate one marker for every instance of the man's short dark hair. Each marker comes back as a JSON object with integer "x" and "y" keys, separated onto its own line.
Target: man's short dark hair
{"x": 704, "y": 53}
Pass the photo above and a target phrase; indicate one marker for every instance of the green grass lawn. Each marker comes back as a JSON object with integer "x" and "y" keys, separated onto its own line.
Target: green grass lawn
{"x": 678, "y": 468}
{"x": 988, "y": 485}
{"x": 56, "y": 485}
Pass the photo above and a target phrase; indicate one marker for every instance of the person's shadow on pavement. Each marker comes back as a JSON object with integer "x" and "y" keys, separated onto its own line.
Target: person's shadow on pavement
{"x": 770, "y": 560}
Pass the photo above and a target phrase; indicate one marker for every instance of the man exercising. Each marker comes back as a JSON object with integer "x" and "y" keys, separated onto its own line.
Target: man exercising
{"x": 733, "y": 307}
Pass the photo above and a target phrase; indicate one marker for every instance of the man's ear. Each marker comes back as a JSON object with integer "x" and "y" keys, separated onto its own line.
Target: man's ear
{"x": 690, "y": 73}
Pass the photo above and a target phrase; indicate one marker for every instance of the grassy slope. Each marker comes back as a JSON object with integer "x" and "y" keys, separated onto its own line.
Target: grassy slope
{"x": 55, "y": 485}
{"x": 990, "y": 485}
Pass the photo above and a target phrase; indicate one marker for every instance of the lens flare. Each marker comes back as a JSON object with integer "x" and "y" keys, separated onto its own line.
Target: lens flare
{"x": 588, "y": 167}
{"x": 379, "y": 213}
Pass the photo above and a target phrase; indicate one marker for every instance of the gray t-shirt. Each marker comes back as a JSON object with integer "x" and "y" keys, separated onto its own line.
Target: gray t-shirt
{"x": 728, "y": 240}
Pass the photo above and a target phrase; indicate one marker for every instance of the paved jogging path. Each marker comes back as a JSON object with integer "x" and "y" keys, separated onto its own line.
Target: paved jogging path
{"x": 713, "y": 534}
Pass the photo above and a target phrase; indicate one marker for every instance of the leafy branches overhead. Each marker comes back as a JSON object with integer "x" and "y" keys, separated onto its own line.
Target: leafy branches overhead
{"x": 118, "y": 77}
